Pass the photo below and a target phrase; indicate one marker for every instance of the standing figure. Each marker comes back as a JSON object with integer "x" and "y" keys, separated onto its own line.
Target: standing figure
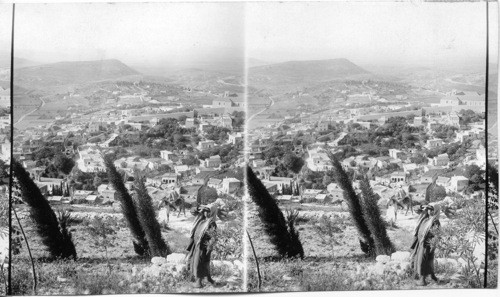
{"x": 202, "y": 241}
{"x": 423, "y": 250}
{"x": 408, "y": 202}
{"x": 181, "y": 203}
{"x": 168, "y": 205}
{"x": 392, "y": 210}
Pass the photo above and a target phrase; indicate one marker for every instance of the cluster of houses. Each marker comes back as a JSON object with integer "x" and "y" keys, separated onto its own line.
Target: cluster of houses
{"x": 412, "y": 176}
{"x": 59, "y": 191}
{"x": 165, "y": 173}
{"x": 464, "y": 100}
{"x": 4, "y": 97}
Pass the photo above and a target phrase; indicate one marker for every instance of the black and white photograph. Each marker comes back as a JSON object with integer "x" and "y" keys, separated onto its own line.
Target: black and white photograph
{"x": 248, "y": 147}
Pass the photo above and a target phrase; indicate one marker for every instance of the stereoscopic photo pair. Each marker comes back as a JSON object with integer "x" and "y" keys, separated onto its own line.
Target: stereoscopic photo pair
{"x": 248, "y": 147}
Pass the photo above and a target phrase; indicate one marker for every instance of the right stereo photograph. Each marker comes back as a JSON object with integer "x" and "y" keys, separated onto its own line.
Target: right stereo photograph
{"x": 368, "y": 144}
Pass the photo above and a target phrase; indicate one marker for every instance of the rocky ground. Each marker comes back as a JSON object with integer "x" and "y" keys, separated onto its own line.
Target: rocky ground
{"x": 337, "y": 263}
{"x": 122, "y": 271}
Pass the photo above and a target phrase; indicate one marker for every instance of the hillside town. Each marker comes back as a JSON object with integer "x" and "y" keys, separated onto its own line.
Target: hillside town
{"x": 182, "y": 148}
{"x": 399, "y": 144}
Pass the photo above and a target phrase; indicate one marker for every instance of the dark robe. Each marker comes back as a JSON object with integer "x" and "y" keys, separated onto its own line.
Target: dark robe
{"x": 199, "y": 251}
{"x": 422, "y": 254}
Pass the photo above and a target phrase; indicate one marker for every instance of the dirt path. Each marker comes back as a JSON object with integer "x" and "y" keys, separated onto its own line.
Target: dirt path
{"x": 183, "y": 223}
{"x": 34, "y": 110}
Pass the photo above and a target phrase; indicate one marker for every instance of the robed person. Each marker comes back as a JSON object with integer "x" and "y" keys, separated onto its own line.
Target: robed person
{"x": 202, "y": 241}
{"x": 423, "y": 246}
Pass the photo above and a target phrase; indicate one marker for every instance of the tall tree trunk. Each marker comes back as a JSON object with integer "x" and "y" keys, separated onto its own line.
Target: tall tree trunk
{"x": 354, "y": 205}
{"x": 376, "y": 224}
{"x": 128, "y": 208}
{"x": 148, "y": 220}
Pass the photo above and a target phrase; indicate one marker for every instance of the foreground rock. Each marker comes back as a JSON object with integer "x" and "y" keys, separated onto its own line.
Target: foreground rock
{"x": 175, "y": 266}
{"x": 398, "y": 263}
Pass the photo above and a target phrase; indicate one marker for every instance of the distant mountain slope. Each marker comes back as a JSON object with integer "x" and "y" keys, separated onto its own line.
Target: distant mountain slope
{"x": 252, "y": 62}
{"x": 21, "y": 62}
{"x": 18, "y": 62}
{"x": 316, "y": 70}
{"x": 63, "y": 73}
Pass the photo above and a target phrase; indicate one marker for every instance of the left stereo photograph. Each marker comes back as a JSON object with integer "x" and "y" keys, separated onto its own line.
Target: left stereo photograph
{"x": 128, "y": 148}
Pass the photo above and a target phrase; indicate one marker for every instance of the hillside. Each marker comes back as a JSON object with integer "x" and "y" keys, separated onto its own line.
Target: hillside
{"x": 65, "y": 73}
{"x": 303, "y": 71}
{"x": 18, "y": 62}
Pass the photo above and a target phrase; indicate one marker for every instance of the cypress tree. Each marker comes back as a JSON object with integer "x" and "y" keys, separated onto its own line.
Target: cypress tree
{"x": 128, "y": 208}
{"x": 46, "y": 223}
{"x": 272, "y": 218}
{"x": 354, "y": 205}
{"x": 147, "y": 218}
{"x": 373, "y": 218}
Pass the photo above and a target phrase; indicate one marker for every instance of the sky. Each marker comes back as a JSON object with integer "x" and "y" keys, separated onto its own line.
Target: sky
{"x": 5, "y": 33}
{"x": 131, "y": 32}
{"x": 384, "y": 32}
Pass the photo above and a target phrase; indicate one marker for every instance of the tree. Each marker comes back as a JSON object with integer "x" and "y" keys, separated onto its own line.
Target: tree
{"x": 354, "y": 204}
{"x": 293, "y": 163}
{"x": 55, "y": 235}
{"x": 63, "y": 163}
{"x": 190, "y": 160}
{"x": 128, "y": 208}
{"x": 206, "y": 195}
{"x": 275, "y": 225}
{"x": 97, "y": 182}
{"x": 4, "y": 171}
{"x": 472, "y": 170}
{"x": 418, "y": 159}
{"x": 374, "y": 220}
{"x": 147, "y": 218}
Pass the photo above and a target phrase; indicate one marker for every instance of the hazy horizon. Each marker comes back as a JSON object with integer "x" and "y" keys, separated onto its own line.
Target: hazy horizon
{"x": 206, "y": 35}
{"x": 382, "y": 33}
{"x": 134, "y": 33}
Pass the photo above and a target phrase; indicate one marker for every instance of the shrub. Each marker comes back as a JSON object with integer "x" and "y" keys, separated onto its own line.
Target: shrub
{"x": 328, "y": 230}
{"x": 295, "y": 244}
{"x": 460, "y": 238}
{"x": 65, "y": 220}
{"x": 102, "y": 232}
{"x": 492, "y": 212}
{"x": 21, "y": 278}
{"x": 229, "y": 242}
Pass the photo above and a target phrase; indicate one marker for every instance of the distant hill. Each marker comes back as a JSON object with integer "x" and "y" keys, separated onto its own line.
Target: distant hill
{"x": 252, "y": 62}
{"x": 64, "y": 73}
{"x": 21, "y": 62}
{"x": 18, "y": 62}
{"x": 303, "y": 71}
